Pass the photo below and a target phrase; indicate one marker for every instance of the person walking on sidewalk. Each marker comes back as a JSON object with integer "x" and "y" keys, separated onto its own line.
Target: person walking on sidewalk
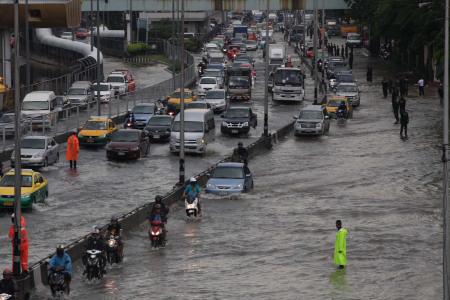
{"x": 369, "y": 73}
{"x": 404, "y": 120}
{"x": 421, "y": 84}
{"x": 73, "y": 148}
{"x": 340, "y": 246}
{"x": 402, "y": 104}
{"x": 385, "y": 86}
{"x": 395, "y": 105}
{"x": 342, "y": 52}
{"x": 350, "y": 59}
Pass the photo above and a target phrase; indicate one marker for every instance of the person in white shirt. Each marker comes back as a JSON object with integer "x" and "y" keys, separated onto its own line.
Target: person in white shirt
{"x": 421, "y": 84}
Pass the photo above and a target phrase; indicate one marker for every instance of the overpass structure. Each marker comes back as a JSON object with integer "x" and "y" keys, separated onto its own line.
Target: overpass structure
{"x": 215, "y": 5}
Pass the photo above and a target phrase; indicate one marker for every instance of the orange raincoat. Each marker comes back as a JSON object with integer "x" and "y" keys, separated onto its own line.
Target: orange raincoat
{"x": 73, "y": 147}
{"x": 23, "y": 243}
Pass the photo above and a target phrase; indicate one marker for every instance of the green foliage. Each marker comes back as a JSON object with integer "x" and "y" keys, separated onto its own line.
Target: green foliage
{"x": 137, "y": 48}
{"x": 192, "y": 45}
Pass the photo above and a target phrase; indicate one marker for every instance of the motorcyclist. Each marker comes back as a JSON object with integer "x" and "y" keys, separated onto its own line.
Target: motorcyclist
{"x": 159, "y": 106}
{"x": 156, "y": 215}
{"x": 240, "y": 154}
{"x": 201, "y": 68}
{"x": 342, "y": 109}
{"x": 61, "y": 262}
{"x": 130, "y": 117}
{"x": 164, "y": 210}
{"x": 7, "y": 284}
{"x": 115, "y": 229}
{"x": 192, "y": 191}
{"x": 96, "y": 242}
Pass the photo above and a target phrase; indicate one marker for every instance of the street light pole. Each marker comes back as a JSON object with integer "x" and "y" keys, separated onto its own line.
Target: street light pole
{"x": 172, "y": 45}
{"x": 266, "y": 65}
{"x": 17, "y": 161}
{"x": 27, "y": 48}
{"x": 314, "y": 64}
{"x": 91, "y": 13}
{"x": 182, "y": 170}
{"x": 98, "y": 58}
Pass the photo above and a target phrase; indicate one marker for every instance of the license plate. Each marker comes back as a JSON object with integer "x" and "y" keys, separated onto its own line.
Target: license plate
{"x": 90, "y": 140}
{"x": 156, "y": 136}
{"x": 234, "y": 131}
{"x": 8, "y": 203}
{"x": 121, "y": 153}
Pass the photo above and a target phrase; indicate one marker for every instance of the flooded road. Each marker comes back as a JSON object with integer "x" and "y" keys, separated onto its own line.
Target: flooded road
{"x": 277, "y": 241}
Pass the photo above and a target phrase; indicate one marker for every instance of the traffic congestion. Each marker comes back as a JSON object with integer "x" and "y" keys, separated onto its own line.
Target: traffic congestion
{"x": 111, "y": 165}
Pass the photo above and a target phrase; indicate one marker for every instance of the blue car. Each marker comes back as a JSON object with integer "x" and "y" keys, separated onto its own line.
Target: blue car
{"x": 142, "y": 114}
{"x": 230, "y": 178}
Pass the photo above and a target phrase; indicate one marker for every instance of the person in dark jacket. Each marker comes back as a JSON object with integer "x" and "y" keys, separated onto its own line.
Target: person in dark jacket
{"x": 395, "y": 105}
{"x": 441, "y": 93}
{"x": 404, "y": 120}
{"x": 369, "y": 73}
{"x": 342, "y": 52}
{"x": 164, "y": 210}
{"x": 350, "y": 59}
{"x": 96, "y": 242}
{"x": 402, "y": 104}
{"x": 385, "y": 86}
{"x": 7, "y": 284}
{"x": 346, "y": 51}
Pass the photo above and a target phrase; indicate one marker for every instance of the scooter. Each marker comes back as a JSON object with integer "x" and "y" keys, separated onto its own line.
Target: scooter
{"x": 4, "y": 296}
{"x": 341, "y": 117}
{"x": 57, "y": 284}
{"x": 93, "y": 264}
{"x": 156, "y": 234}
{"x": 112, "y": 249}
{"x": 191, "y": 207}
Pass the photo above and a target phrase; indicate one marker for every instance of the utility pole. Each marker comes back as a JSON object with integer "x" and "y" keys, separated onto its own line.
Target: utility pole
{"x": 91, "y": 13}
{"x": 182, "y": 178}
{"x": 314, "y": 64}
{"x": 17, "y": 162}
{"x": 446, "y": 262}
{"x": 266, "y": 64}
{"x": 98, "y": 58}
{"x": 172, "y": 45}
{"x": 131, "y": 21}
{"x": 27, "y": 48}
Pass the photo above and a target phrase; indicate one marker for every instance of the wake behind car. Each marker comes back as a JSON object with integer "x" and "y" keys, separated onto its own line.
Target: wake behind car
{"x": 230, "y": 178}
{"x": 312, "y": 121}
{"x": 237, "y": 120}
{"x": 96, "y": 131}
{"x": 37, "y": 151}
{"x": 128, "y": 144}
{"x": 142, "y": 114}
{"x": 34, "y": 189}
{"x": 158, "y": 127}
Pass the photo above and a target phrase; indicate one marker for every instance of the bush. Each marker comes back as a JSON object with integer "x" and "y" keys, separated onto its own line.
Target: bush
{"x": 192, "y": 45}
{"x": 137, "y": 48}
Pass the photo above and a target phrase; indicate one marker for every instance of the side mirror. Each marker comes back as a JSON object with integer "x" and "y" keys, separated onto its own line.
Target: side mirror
{"x": 248, "y": 175}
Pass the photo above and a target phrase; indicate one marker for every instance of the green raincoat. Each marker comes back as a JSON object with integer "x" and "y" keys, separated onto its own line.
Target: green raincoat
{"x": 340, "y": 248}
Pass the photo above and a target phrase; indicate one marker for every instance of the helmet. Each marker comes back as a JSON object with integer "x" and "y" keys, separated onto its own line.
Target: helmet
{"x": 95, "y": 230}
{"x": 60, "y": 250}
{"x": 158, "y": 198}
{"x": 192, "y": 180}
{"x": 114, "y": 219}
{"x": 240, "y": 144}
{"x": 7, "y": 273}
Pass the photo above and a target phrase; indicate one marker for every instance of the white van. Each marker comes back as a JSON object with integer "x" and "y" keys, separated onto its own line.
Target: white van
{"x": 40, "y": 107}
{"x": 198, "y": 131}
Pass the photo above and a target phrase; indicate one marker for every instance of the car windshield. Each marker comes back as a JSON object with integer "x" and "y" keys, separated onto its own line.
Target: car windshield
{"x": 288, "y": 77}
{"x": 210, "y": 73}
{"x": 208, "y": 81}
{"x": 95, "y": 125}
{"x": 189, "y": 126}
{"x": 7, "y": 119}
{"x": 144, "y": 109}
{"x": 334, "y": 103}
{"x": 160, "y": 121}
{"x": 9, "y": 180}
{"x": 177, "y": 95}
{"x": 228, "y": 172}
{"x": 119, "y": 79}
{"x": 239, "y": 83}
{"x": 353, "y": 37}
{"x": 237, "y": 113}
{"x": 215, "y": 66}
{"x": 310, "y": 115}
{"x": 76, "y": 91}
{"x": 215, "y": 60}
{"x": 215, "y": 95}
{"x": 344, "y": 78}
{"x": 103, "y": 87}
{"x": 35, "y": 105}
{"x": 250, "y": 42}
{"x": 196, "y": 105}
{"x": 125, "y": 136}
{"x": 33, "y": 144}
{"x": 347, "y": 89}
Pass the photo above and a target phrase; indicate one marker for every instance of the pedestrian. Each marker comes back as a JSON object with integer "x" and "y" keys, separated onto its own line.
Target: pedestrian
{"x": 404, "y": 120}
{"x": 346, "y": 51}
{"x": 337, "y": 50}
{"x": 1, "y": 169}
{"x": 350, "y": 60}
{"x": 23, "y": 242}
{"x": 340, "y": 246}
{"x": 421, "y": 84}
{"x": 369, "y": 73}
{"x": 441, "y": 93}
{"x": 385, "y": 86}
{"x": 402, "y": 104}
{"x": 73, "y": 148}
{"x": 395, "y": 105}
{"x": 334, "y": 50}
{"x": 406, "y": 83}
{"x": 323, "y": 86}
{"x": 342, "y": 52}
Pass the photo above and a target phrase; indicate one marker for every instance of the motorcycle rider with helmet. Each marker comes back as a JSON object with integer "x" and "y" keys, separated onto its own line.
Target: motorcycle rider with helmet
{"x": 61, "y": 262}
{"x": 192, "y": 191}
{"x": 96, "y": 242}
{"x": 129, "y": 119}
{"x": 240, "y": 154}
{"x": 7, "y": 284}
{"x": 342, "y": 109}
{"x": 164, "y": 210}
{"x": 157, "y": 215}
{"x": 115, "y": 229}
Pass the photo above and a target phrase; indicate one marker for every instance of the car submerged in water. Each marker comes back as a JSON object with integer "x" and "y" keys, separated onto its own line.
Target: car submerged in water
{"x": 230, "y": 178}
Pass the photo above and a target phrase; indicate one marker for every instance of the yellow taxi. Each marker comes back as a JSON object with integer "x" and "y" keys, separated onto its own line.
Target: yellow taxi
{"x": 333, "y": 103}
{"x": 96, "y": 131}
{"x": 174, "y": 99}
{"x": 34, "y": 189}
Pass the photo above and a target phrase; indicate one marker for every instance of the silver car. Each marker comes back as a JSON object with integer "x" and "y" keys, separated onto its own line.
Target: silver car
{"x": 311, "y": 121}
{"x": 217, "y": 99}
{"x": 7, "y": 126}
{"x": 37, "y": 152}
{"x": 350, "y": 91}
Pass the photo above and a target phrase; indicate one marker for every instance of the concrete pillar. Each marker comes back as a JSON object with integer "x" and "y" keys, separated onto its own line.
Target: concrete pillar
{"x": 5, "y": 57}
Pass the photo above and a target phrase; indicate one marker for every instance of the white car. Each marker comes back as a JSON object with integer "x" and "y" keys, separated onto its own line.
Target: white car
{"x": 217, "y": 99}
{"x": 350, "y": 91}
{"x": 67, "y": 35}
{"x": 210, "y": 47}
{"x": 118, "y": 82}
{"x": 106, "y": 91}
{"x": 207, "y": 83}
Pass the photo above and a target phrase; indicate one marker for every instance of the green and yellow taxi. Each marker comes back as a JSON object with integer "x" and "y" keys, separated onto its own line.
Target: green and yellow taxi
{"x": 96, "y": 131}
{"x": 174, "y": 99}
{"x": 333, "y": 103}
{"x": 34, "y": 189}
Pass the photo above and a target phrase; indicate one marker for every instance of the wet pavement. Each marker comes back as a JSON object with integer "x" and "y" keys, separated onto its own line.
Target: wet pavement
{"x": 275, "y": 242}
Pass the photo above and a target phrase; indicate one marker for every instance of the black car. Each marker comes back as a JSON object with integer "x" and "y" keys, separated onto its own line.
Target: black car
{"x": 128, "y": 143}
{"x": 238, "y": 120}
{"x": 158, "y": 127}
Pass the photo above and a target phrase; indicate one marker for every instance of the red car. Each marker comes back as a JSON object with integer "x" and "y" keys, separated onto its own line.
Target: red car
{"x": 82, "y": 33}
{"x": 233, "y": 50}
{"x": 129, "y": 78}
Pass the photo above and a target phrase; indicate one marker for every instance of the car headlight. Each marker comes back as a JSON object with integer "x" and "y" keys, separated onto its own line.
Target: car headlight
{"x": 224, "y": 123}
{"x": 36, "y": 155}
{"x": 210, "y": 186}
{"x": 26, "y": 195}
{"x": 200, "y": 141}
{"x": 239, "y": 186}
{"x": 102, "y": 136}
{"x": 135, "y": 149}
{"x": 245, "y": 124}
{"x": 318, "y": 125}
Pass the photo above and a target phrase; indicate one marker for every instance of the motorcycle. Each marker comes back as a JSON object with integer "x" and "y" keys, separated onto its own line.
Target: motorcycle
{"x": 128, "y": 124}
{"x": 191, "y": 207}
{"x": 93, "y": 264}
{"x": 341, "y": 117}
{"x": 156, "y": 234}
{"x": 4, "y": 296}
{"x": 57, "y": 284}
{"x": 112, "y": 249}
